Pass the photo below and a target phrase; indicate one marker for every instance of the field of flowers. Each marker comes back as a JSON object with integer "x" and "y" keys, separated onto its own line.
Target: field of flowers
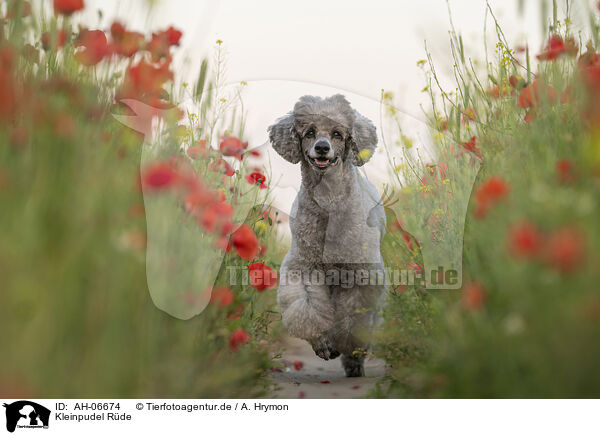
{"x": 527, "y": 320}
{"x": 116, "y": 199}
{"x": 76, "y": 315}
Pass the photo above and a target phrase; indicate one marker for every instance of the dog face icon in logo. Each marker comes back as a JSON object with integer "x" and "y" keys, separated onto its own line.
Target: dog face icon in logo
{"x": 25, "y": 413}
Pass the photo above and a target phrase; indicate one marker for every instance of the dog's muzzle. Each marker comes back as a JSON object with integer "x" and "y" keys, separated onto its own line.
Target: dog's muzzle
{"x": 321, "y": 154}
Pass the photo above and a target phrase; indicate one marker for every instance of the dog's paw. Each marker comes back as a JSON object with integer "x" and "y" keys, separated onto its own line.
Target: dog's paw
{"x": 354, "y": 371}
{"x": 323, "y": 349}
{"x": 333, "y": 354}
{"x": 353, "y": 367}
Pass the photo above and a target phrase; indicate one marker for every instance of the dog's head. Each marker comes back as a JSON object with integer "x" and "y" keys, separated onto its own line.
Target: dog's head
{"x": 324, "y": 132}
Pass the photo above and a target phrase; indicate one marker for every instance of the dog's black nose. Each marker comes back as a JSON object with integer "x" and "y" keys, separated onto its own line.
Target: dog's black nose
{"x": 322, "y": 147}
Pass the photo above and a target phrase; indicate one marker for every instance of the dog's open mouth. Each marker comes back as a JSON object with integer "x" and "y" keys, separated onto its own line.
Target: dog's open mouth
{"x": 322, "y": 163}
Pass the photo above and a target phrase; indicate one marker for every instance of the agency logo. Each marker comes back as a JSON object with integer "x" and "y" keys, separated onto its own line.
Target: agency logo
{"x": 26, "y": 414}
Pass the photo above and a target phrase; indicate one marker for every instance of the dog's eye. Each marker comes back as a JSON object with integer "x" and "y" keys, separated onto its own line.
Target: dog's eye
{"x": 310, "y": 133}
{"x": 337, "y": 135}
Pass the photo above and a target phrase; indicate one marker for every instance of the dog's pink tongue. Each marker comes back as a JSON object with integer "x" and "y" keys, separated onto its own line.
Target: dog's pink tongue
{"x": 322, "y": 162}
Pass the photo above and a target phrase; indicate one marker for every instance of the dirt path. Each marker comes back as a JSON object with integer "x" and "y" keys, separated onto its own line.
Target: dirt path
{"x": 310, "y": 381}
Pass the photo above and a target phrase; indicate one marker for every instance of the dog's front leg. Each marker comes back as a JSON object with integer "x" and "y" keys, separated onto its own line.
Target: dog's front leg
{"x": 307, "y": 310}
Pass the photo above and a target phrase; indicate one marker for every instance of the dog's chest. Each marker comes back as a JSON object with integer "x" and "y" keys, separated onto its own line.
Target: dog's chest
{"x": 309, "y": 230}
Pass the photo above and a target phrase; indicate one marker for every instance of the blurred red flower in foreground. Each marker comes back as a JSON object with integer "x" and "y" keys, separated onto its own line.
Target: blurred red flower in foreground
{"x": 8, "y": 93}
{"x": 93, "y": 47}
{"x": 172, "y": 35}
{"x": 261, "y": 276}
{"x": 161, "y": 42}
{"x": 556, "y": 47}
{"x": 144, "y": 81}
{"x": 533, "y": 94}
{"x": 298, "y": 365}
{"x": 257, "y": 178}
{"x": 564, "y": 170}
{"x": 222, "y": 297}
{"x": 159, "y": 175}
{"x": 245, "y": 242}
{"x": 198, "y": 150}
{"x": 232, "y": 146}
{"x": 67, "y": 7}
{"x": 125, "y": 42}
{"x": 488, "y": 194}
{"x": 474, "y": 296}
{"x": 471, "y": 146}
{"x": 215, "y": 215}
{"x": 565, "y": 249}
{"x": 226, "y": 167}
{"x": 237, "y": 338}
{"x": 525, "y": 240}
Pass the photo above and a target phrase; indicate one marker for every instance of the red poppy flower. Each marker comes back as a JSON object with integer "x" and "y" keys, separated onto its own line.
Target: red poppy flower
{"x": 195, "y": 151}
{"x": 525, "y": 240}
{"x": 298, "y": 365}
{"x": 226, "y": 167}
{"x": 471, "y": 146}
{"x": 474, "y": 296}
{"x": 565, "y": 249}
{"x": 515, "y": 81}
{"x": 407, "y": 240}
{"x": 531, "y": 95}
{"x": 158, "y": 47}
{"x": 232, "y": 146}
{"x": 172, "y": 35}
{"x": 245, "y": 242}
{"x": 557, "y": 47}
{"x": 67, "y": 7}
{"x": 48, "y": 40}
{"x": 237, "y": 338}
{"x": 144, "y": 82}
{"x": 257, "y": 178}
{"x": 325, "y": 382}
{"x": 124, "y": 42}
{"x": 494, "y": 92}
{"x": 564, "y": 170}
{"x": 197, "y": 199}
{"x": 93, "y": 47}
{"x": 489, "y": 193}
{"x": 222, "y": 297}
{"x": 159, "y": 175}
{"x": 262, "y": 276}
{"x": 215, "y": 216}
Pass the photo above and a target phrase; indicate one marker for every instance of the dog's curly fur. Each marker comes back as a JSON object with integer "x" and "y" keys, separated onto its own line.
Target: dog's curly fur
{"x": 337, "y": 223}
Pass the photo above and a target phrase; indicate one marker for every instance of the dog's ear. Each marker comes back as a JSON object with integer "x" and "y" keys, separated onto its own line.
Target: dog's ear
{"x": 362, "y": 140}
{"x": 285, "y": 140}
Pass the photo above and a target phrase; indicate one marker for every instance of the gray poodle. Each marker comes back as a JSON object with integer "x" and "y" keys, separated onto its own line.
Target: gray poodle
{"x": 332, "y": 278}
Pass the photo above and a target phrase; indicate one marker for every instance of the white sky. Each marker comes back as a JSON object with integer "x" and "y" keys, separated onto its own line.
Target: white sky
{"x": 286, "y": 49}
